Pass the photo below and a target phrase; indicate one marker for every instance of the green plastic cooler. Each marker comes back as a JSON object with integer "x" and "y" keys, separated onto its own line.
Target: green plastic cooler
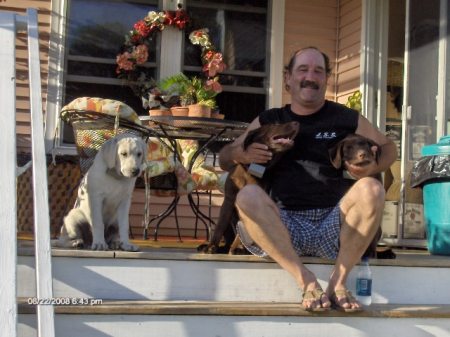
{"x": 436, "y": 200}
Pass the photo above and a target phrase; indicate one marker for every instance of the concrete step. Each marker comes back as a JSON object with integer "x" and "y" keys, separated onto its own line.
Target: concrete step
{"x": 236, "y": 319}
{"x": 177, "y": 275}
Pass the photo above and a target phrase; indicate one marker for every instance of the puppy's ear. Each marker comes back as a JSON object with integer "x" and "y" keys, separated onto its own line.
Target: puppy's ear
{"x": 374, "y": 147}
{"x": 109, "y": 152}
{"x": 250, "y": 137}
{"x": 335, "y": 154}
{"x": 144, "y": 149}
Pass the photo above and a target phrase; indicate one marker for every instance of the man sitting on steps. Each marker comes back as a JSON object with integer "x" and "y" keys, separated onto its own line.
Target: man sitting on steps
{"x": 312, "y": 209}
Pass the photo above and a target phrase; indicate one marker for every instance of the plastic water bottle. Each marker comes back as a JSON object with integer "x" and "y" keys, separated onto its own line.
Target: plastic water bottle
{"x": 364, "y": 283}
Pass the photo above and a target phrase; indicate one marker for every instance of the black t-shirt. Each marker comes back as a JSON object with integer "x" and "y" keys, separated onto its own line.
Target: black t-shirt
{"x": 304, "y": 177}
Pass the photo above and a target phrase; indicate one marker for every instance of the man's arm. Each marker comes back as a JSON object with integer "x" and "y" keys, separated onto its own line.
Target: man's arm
{"x": 234, "y": 153}
{"x": 388, "y": 150}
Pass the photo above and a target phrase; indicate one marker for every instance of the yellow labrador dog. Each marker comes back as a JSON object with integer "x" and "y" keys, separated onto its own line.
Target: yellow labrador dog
{"x": 99, "y": 219}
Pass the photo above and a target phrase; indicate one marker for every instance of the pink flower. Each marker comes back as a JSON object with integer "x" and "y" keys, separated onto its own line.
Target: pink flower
{"x": 214, "y": 85}
{"x": 213, "y": 67}
{"x": 140, "y": 53}
{"x": 124, "y": 61}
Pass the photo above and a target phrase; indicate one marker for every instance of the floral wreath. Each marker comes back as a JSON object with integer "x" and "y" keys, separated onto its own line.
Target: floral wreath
{"x": 135, "y": 51}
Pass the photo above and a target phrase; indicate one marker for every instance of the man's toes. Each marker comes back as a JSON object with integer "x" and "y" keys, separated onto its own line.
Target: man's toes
{"x": 325, "y": 301}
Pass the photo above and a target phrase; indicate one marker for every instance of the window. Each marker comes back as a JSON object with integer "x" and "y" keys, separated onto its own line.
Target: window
{"x": 94, "y": 31}
{"x": 240, "y": 29}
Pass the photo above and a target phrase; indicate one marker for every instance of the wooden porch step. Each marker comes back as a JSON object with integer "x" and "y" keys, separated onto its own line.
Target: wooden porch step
{"x": 216, "y": 308}
{"x": 180, "y": 274}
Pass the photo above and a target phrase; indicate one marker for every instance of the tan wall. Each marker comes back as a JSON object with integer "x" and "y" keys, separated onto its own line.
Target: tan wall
{"x": 349, "y": 46}
{"x": 22, "y": 91}
{"x": 335, "y": 28}
{"x": 311, "y": 23}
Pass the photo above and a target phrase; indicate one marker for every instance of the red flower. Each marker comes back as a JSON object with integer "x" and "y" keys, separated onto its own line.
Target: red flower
{"x": 181, "y": 19}
{"x": 142, "y": 29}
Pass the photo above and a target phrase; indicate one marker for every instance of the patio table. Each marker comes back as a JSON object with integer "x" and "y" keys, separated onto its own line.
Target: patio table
{"x": 209, "y": 132}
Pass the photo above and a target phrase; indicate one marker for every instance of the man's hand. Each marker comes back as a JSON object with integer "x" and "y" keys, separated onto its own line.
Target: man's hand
{"x": 255, "y": 153}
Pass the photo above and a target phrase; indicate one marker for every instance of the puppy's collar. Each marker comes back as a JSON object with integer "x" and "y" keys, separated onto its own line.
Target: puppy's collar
{"x": 113, "y": 173}
{"x": 256, "y": 170}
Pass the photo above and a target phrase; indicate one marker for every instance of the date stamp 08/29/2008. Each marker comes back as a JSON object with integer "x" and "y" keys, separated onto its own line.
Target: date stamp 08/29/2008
{"x": 64, "y": 301}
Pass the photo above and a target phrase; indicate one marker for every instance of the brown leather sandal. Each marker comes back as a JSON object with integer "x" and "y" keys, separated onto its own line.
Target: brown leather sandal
{"x": 315, "y": 295}
{"x": 343, "y": 294}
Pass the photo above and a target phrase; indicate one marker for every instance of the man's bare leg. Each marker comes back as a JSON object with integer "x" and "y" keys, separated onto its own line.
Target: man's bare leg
{"x": 361, "y": 212}
{"x": 262, "y": 221}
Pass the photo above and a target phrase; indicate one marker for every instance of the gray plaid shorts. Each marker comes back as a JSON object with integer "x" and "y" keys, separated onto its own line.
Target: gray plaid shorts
{"x": 313, "y": 232}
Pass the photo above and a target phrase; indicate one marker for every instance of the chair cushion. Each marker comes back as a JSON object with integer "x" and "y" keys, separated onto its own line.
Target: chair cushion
{"x": 104, "y": 105}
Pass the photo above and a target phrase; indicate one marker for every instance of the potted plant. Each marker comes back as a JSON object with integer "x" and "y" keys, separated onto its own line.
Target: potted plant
{"x": 196, "y": 94}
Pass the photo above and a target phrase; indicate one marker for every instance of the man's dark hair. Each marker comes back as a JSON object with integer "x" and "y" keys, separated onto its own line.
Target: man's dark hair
{"x": 290, "y": 66}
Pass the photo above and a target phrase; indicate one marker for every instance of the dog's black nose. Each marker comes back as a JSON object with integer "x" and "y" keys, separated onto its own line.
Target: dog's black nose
{"x": 135, "y": 172}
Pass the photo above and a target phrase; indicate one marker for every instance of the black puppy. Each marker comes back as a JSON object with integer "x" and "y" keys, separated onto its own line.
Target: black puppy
{"x": 279, "y": 139}
{"x": 360, "y": 151}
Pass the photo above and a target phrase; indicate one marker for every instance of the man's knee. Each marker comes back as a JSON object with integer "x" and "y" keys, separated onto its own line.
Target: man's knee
{"x": 366, "y": 195}
{"x": 369, "y": 191}
{"x": 250, "y": 197}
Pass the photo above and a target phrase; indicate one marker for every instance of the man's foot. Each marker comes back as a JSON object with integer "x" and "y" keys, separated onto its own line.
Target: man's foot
{"x": 343, "y": 300}
{"x": 315, "y": 300}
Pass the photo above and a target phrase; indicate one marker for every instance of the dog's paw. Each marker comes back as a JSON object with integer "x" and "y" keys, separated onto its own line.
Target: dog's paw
{"x": 128, "y": 247}
{"x": 203, "y": 248}
{"x": 114, "y": 245}
{"x": 99, "y": 245}
{"x": 77, "y": 243}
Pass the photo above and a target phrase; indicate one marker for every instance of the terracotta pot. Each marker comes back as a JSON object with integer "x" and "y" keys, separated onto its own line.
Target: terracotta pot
{"x": 180, "y": 111}
{"x": 217, "y": 115}
{"x": 159, "y": 112}
{"x": 198, "y": 110}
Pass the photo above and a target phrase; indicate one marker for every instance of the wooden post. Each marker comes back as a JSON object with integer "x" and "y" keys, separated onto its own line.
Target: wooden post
{"x": 40, "y": 186}
{"x": 8, "y": 206}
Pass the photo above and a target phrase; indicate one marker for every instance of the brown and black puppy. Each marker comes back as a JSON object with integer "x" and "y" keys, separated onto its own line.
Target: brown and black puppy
{"x": 360, "y": 151}
{"x": 279, "y": 139}
{"x": 355, "y": 150}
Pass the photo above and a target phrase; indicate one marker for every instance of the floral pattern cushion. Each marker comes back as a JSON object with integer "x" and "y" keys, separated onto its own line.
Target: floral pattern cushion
{"x": 104, "y": 105}
{"x": 161, "y": 160}
{"x": 204, "y": 175}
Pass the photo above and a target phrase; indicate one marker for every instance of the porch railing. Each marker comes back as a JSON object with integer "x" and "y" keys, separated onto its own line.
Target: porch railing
{"x": 10, "y": 23}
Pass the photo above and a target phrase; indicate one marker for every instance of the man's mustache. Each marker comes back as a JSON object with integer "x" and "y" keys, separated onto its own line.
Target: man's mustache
{"x": 309, "y": 84}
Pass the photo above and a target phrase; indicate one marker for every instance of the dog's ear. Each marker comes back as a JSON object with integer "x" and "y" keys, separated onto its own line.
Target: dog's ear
{"x": 109, "y": 152}
{"x": 144, "y": 149}
{"x": 374, "y": 147}
{"x": 335, "y": 154}
{"x": 251, "y": 137}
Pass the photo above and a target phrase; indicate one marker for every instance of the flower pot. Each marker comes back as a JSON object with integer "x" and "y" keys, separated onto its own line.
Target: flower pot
{"x": 217, "y": 115}
{"x": 179, "y": 111}
{"x": 198, "y": 110}
{"x": 159, "y": 112}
